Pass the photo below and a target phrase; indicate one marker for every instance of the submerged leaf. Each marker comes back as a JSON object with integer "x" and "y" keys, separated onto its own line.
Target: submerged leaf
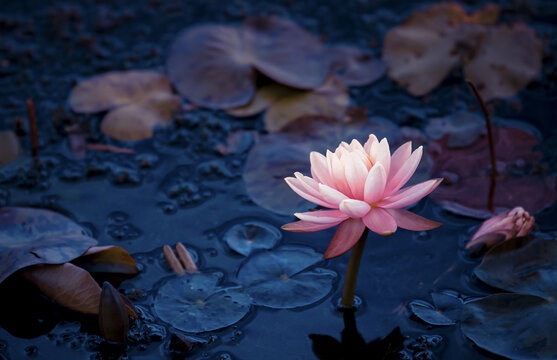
{"x": 248, "y": 236}
{"x": 196, "y": 303}
{"x": 355, "y": 67}
{"x": 213, "y": 65}
{"x": 9, "y": 147}
{"x": 137, "y": 102}
{"x": 463, "y": 129}
{"x": 67, "y": 284}
{"x": 31, "y": 236}
{"x": 524, "y": 265}
{"x": 516, "y": 326}
{"x": 281, "y": 278}
{"x": 445, "y": 311}
{"x": 467, "y": 171}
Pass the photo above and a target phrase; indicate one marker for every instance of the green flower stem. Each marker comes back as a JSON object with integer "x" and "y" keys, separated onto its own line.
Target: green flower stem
{"x": 352, "y": 272}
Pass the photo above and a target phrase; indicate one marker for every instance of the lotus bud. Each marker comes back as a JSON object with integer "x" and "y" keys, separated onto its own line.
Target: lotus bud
{"x": 113, "y": 315}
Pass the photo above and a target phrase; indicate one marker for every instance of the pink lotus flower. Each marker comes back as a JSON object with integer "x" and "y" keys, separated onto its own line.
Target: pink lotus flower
{"x": 363, "y": 186}
{"x": 513, "y": 223}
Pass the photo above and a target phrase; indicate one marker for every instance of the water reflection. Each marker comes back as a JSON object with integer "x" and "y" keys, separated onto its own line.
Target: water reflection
{"x": 353, "y": 346}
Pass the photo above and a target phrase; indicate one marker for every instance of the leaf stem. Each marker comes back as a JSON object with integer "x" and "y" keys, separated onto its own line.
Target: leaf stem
{"x": 352, "y": 272}
{"x": 491, "y": 146}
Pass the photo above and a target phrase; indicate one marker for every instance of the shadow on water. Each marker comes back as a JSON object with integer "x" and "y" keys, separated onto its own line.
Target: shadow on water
{"x": 353, "y": 346}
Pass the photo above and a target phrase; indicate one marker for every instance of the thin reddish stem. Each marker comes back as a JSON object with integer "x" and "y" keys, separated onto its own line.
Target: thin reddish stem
{"x": 491, "y": 146}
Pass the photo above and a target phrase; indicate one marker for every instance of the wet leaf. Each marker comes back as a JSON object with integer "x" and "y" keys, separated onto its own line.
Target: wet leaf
{"x": 462, "y": 128}
{"x": 516, "y": 326}
{"x": 523, "y": 265}
{"x": 328, "y": 100}
{"x": 282, "y": 278}
{"x": 113, "y": 316}
{"x": 467, "y": 171}
{"x": 445, "y": 311}
{"x": 31, "y": 236}
{"x": 251, "y": 235}
{"x": 67, "y": 284}
{"x": 137, "y": 101}
{"x": 107, "y": 259}
{"x": 355, "y": 67}
{"x": 264, "y": 97}
{"x": 278, "y": 155}
{"x": 508, "y": 58}
{"x": 500, "y": 60}
{"x": 9, "y": 147}
{"x": 214, "y": 65}
{"x": 196, "y": 303}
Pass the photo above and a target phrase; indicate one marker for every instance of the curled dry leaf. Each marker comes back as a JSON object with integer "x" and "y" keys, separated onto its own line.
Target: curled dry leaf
{"x": 31, "y": 236}
{"x": 355, "y": 67}
{"x": 67, "y": 284}
{"x": 107, "y": 259}
{"x": 137, "y": 101}
{"x": 467, "y": 171}
{"x": 422, "y": 51}
{"x": 113, "y": 316}
{"x": 9, "y": 147}
{"x": 286, "y": 105}
{"x": 214, "y": 65}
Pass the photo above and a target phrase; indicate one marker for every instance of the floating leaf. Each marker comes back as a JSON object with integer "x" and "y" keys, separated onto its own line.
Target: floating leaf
{"x": 508, "y": 58}
{"x": 467, "y": 171}
{"x": 500, "y": 60}
{"x": 524, "y": 265}
{"x": 9, "y": 147}
{"x": 107, "y": 259}
{"x": 35, "y": 236}
{"x": 445, "y": 311}
{"x": 516, "y": 326}
{"x": 463, "y": 129}
{"x": 113, "y": 317}
{"x": 213, "y": 65}
{"x": 251, "y": 235}
{"x": 280, "y": 278}
{"x": 137, "y": 100}
{"x": 355, "y": 67}
{"x": 278, "y": 155}
{"x": 264, "y": 97}
{"x": 67, "y": 284}
{"x": 328, "y": 100}
{"x": 195, "y": 303}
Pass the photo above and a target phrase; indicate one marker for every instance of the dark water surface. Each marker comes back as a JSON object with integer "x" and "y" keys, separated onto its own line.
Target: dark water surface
{"x": 47, "y": 46}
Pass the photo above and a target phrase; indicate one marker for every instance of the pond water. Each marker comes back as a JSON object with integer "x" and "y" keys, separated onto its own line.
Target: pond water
{"x": 177, "y": 188}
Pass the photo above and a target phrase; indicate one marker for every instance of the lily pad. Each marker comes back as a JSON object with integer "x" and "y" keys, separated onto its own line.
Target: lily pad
{"x": 214, "y": 65}
{"x": 278, "y": 155}
{"x": 10, "y": 148}
{"x": 467, "y": 170}
{"x": 196, "y": 303}
{"x": 523, "y": 265}
{"x": 445, "y": 311}
{"x": 281, "y": 279}
{"x": 251, "y": 235}
{"x": 516, "y": 326}
{"x": 31, "y": 236}
{"x": 137, "y": 101}
{"x": 355, "y": 67}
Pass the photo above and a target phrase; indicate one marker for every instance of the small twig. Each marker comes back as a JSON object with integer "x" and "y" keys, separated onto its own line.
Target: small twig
{"x": 172, "y": 260}
{"x": 185, "y": 257}
{"x": 491, "y": 146}
{"x": 33, "y": 131}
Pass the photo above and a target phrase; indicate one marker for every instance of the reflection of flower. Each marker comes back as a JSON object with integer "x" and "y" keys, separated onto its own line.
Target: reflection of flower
{"x": 363, "y": 184}
{"x": 514, "y": 223}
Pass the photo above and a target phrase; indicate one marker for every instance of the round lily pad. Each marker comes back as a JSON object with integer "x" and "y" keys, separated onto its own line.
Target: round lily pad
{"x": 516, "y": 326}
{"x": 522, "y": 265}
{"x": 251, "y": 235}
{"x": 281, "y": 278}
{"x": 445, "y": 311}
{"x": 31, "y": 236}
{"x": 196, "y": 303}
